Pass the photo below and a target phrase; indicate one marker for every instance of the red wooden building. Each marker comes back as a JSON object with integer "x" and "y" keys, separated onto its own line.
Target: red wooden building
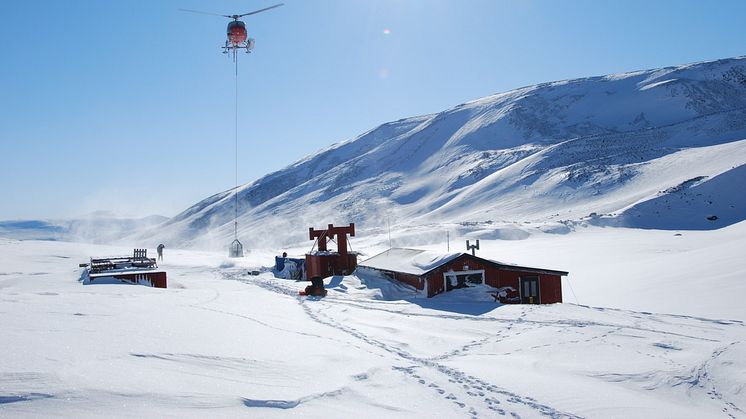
{"x": 435, "y": 273}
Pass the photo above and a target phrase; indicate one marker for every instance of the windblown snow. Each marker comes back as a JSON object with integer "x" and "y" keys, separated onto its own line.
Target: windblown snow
{"x": 634, "y": 183}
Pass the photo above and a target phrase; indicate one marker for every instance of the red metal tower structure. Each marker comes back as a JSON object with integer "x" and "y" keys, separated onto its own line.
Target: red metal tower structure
{"x": 324, "y": 263}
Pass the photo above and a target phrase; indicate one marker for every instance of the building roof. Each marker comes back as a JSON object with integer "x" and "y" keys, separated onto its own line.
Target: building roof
{"x": 419, "y": 262}
{"x": 410, "y": 261}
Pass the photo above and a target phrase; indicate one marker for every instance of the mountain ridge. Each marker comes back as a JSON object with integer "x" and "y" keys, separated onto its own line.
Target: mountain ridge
{"x": 542, "y": 153}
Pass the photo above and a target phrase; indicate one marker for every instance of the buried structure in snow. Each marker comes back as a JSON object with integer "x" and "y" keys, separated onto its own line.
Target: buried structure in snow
{"x": 321, "y": 263}
{"x": 435, "y": 273}
{"x": 137, "y": 269}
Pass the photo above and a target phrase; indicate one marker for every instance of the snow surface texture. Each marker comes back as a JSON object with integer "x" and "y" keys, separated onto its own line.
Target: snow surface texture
{"x": 221, "y": 343}
{"x": 662, "y": 148}
{"x": 552, "y": 175}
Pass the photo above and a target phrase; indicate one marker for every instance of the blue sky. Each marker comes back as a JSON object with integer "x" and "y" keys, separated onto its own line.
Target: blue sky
{"x": 128, "y": 105}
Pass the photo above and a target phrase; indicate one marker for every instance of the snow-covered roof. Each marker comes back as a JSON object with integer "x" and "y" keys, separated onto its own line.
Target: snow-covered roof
{"x": 411, "y": 261}
{"x": 420, "y": 262}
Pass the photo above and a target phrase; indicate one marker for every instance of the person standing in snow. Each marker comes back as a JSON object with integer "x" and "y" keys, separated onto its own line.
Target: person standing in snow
{"x": 160, "y": 251}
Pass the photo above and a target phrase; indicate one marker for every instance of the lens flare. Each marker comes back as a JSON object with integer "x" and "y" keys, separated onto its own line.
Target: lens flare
{"x": 387, "y": 31}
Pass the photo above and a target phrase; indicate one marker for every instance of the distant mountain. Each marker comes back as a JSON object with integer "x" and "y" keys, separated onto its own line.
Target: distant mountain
{"x": 98, "y": 227}
{"x": 661, "y": 148}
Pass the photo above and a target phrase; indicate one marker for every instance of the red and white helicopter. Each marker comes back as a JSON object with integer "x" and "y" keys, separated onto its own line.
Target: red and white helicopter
{"x": 238, "y": 38}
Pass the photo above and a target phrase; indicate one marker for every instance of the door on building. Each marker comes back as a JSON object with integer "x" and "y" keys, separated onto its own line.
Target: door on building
{"x": 530, "y": 293}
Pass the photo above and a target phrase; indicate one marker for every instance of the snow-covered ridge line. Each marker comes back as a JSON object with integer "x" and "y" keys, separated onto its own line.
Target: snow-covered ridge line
{"x": 541, "y": 154}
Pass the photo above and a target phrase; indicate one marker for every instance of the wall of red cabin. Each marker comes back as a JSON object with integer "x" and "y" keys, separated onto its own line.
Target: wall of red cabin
{"x": 410, "y": 279}
{"x": 157, "y": 279}
{"x": 330, "y": 264}
{"x": 435, "y": 283}
{"x": 550, "y": 286}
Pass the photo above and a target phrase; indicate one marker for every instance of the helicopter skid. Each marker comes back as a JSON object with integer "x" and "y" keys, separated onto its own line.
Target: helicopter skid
{"x": 235, "y": 48}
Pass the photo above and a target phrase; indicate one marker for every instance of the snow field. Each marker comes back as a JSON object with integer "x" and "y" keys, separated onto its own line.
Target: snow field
{"x": 221, "y": 343}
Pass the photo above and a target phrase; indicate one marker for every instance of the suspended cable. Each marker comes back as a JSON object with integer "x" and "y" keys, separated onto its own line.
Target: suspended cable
{"x": 235, "y": 219}
{"x": 236, "y": 248}
{"x": 573, "y": 291}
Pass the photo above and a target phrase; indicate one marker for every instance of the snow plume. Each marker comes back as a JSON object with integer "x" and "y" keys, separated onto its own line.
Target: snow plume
{"x": 99, "y": 227}
{"x": 114, "y": 199}
{"x": 107, "y": 228}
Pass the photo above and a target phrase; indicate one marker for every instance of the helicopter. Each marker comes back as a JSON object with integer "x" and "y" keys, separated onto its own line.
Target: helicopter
{"x": 237, "y": 35}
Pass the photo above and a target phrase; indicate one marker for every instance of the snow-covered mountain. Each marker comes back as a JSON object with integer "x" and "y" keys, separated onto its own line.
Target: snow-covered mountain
{"x": 662, "y": 148}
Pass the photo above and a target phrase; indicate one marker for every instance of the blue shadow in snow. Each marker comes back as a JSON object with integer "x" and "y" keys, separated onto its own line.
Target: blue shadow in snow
{"x": 335, "y": 282}
{"x": 24, "y": 397}
{"x": 274, "y": 404}
{"x": 471, "y": 308}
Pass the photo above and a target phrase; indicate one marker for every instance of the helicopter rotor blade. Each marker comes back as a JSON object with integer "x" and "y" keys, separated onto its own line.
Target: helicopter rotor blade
{"x": 204, "y": 13}
{"x": 261, "y": 10}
